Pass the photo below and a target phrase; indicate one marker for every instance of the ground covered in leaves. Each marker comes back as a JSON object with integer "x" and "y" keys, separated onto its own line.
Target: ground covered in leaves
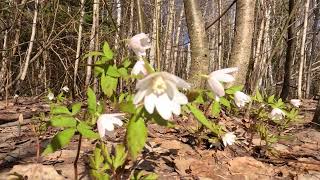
{"x": 172, "y": 153}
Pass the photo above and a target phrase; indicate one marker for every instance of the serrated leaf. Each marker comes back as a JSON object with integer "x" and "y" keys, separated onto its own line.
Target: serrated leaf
{"x": 86, "y": 131}
{"x": 108, "y": 85}
{"x": 128, "y": 107}
{"x": 259, "y": 96}
{"x": 126, "y": 63}
{"x": 63, "y": 121}
{"x": 151, "y": 176}
{"x": 98, "y": 158}
{"x": 107, "y": 51}
{"x": 215, "y": 109}
{"x": 76, "y": 108}
{"x": 136, "y": 135}
{"x": 105, "y": 153}
{"x": 92, "y": 101}
{"x": 271, "y": 99}
{"x": 123, "y": 72}
{"x": 120, "y": 156}
{"x": 224, "y": 102}
{"x": 234, "y": 89}
{"x": 60, "y": 140}
{"x": 57, "y": 109}
{"x": 113, "y": 71}
{"x": 202, "y": 119}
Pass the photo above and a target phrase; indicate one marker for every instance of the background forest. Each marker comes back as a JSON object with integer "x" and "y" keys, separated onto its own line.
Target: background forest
{"x": 48, "y": 45}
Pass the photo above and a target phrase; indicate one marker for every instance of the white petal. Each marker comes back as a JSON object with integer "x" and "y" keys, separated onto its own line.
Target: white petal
{"x": 101, "y": 128}
{"x": 176, "y": 80}
{"x": 176, "y": 108}
{"x": 216, "y": 87}
{"x": 180, "y": 98}
{"x": 145, "y": 82}
{"x": 224, "y": 77}
{"x": 149, "y": 102}
{"x": 139, "y": 96}
{"x": 163, "y": 106}
{"x": 225, "y": 71}
{"x": 109, "y": 124}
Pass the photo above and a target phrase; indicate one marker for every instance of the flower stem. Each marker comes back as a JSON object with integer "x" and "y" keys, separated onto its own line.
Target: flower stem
{"x": 75, "y": 163}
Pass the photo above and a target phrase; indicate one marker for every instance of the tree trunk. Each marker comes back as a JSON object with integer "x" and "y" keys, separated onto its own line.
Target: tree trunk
{"x": 76, "y": 63}
{"x": 313, "y": 46}
{"x": 290, "y": 53}
{"x": 302, "y": 51}
{"x": 241, "y": 48}
{"x": 199, "y": 42}
{"x": 92, "y": 40}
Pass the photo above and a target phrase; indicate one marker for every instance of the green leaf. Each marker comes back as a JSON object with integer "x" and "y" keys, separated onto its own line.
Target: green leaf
{"x": 271, "y": 99}
{"x": 202, "y": 119}
{"x": 86, "y": 131}
{"x": 63, "y": 121}
{"x": 59, "y": 141}
{"x": 99, "y": 68}
{"x": 123, "y": 72}
{"x": 128, "y": 107}
{"x": 120, "y": 156}
{"x": 93, "y": 53}
{"x": 105, "y": 153}
{"x": 113, "y": 71}
{"x": 259, "y": 96}
{"x": 76, "y": 108}
{"x": 224, "y": 102}
{"x": 151, "y": 176}
{"x": 136, "y": 135}
{"x": 108, "y": 85}
{"x": 215, "y": 109}
{"x": 92, "y": 101}
{"x": 107, "y": 51}
{"x": 234, "y": 89}
{"x": 57, "y": 109}
{"x": 126, "y": 63}
{"x": 98, "y": 158}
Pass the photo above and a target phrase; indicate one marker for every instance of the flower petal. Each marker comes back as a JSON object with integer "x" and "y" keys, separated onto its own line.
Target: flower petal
{"x": 176, "y": 80}
{"x": 139, "y": 96}
{"x": 216, "y": 87}
{"x": 163, "y": 106}
{"x": 150, "y": 102}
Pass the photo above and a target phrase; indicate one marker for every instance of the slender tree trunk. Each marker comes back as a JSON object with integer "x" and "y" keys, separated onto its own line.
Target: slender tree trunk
{"x": 198, "y": 41}
{"x": 76, "y": 63}
{"x": 139, "y": 8}
{"x": 313, "y": 46}
{"x": 92, "y": 40}
{"x": 169, "y": 37}
{"x": 33, "y": 35}
{"x": 219, "y": 36}
{"x": 155, "y": 29}
{"x": 116, "y": 40}
{"x": 302, "y": 50}
{"x": 241, "y": 48}
{"x": 176, "y": 42}
{"x": 290, "y": 53}
{"x": 316, "y": 117}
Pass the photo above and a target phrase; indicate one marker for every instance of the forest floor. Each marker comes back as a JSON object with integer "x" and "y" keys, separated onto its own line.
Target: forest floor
{"x": 171, "y": 153}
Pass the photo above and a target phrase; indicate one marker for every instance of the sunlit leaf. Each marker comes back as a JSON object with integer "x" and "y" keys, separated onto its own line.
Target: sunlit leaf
{"x": 92, "y": 101}
{"x": 63, "y": 121}
{"x": 86, "y": 131}
{"x": 60, "y": 140}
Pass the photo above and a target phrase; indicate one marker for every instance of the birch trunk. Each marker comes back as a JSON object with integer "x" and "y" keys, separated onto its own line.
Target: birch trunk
{"x": 198, "y": 41}
{"x": 302, "y": 50}
{"x": 241, "y": 47}
{"x": 76, "y": 63}
{"x": 92, "y": 40}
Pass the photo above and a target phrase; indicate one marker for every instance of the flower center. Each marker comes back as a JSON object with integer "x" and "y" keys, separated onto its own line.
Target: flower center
{"x": 159, "y": 85}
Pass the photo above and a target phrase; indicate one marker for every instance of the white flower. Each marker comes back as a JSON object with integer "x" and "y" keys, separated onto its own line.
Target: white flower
{"x": 106, "y": 123}
{"x": 277, "y": 114}
{"x": 295, "y": 102}
{"x": 241, "y": 98}
{"x": 139, "y": 68}
{"x": 160, "y": 90}
{"x": 139, "y": 44}
{"x": 50, "y": 96}
{"x": 15, "y": 96}
{"x": 65, "y": 89}
{"x": 216, "y": 77}
{"x": 229, "y": 138}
